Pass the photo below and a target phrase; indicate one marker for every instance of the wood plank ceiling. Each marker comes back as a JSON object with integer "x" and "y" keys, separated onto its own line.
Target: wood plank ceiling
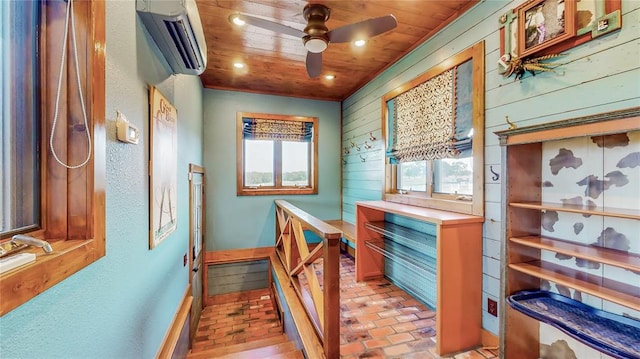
{"x": 275, "y": 63}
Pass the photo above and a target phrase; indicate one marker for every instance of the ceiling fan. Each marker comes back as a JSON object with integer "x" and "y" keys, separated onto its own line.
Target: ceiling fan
{"x": 316, "y": 36}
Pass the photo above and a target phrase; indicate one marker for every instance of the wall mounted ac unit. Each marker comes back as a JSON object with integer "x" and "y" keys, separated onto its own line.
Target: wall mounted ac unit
{"x": 176, "y": 28}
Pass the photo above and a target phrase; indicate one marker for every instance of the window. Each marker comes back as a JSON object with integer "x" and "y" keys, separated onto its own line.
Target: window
{"x": 278, "y": 154}
{"x": 37, "y": 199}
{"x": 435, "y": 141}
{"x": 19, "y": 130}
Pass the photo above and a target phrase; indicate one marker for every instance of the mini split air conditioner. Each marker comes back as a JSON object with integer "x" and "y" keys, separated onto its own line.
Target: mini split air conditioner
{"x": 175, "y": 27}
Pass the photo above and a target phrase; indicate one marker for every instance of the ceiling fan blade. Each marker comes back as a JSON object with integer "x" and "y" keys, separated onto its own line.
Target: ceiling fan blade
{"x": 363, "y": 30}
{"x": 270, "y": 25}
{"x": 314, "y": 64}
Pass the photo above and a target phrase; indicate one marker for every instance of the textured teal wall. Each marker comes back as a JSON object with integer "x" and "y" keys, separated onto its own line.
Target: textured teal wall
{"x": 249, "y": 221}
{"x": 601, "y": 75}
{"x": 121, "y": 306}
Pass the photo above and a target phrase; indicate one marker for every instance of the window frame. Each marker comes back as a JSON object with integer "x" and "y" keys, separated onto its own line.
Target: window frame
{"x": 448, "y": 202}
{"x": 73, "y": 222}
{"x": 242, "y": 190}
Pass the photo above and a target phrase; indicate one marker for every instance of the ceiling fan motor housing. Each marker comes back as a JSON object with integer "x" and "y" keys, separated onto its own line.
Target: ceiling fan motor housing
{"x": 316, "y": 39}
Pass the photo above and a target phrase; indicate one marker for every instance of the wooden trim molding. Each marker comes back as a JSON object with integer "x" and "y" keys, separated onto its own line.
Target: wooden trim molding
{"x": 73, "y": 223}
{"x": 172, "y": 337}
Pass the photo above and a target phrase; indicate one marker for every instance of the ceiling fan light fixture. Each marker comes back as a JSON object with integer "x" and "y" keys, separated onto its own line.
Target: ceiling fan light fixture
{"x": 238, "y": 65}
{"x": 329, "y": 77}
{"x": 315, "y": 44}
{"x": 360, "y": 43}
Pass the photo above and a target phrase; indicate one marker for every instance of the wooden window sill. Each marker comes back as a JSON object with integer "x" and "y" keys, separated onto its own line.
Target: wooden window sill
{"x": 452, "y": 205}
{"x": 276, "y": 191}
{"x": 21, "y": 284}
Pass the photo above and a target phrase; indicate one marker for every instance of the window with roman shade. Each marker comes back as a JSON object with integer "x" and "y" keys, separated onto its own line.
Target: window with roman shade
{"x": 434, "y": 127}
{"x": 277, "y": 154}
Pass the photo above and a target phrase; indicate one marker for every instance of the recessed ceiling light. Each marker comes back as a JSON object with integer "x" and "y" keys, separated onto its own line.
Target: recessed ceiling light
{"x": 238, "y": 65}
{"x": 329, "y": 77}
{"x": 359, "y": 43}
{"x": 235, "y": 18}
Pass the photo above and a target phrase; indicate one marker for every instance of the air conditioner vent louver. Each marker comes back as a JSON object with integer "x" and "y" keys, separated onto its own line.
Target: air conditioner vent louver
{"x": 175, "y": 27}
{"x": 183, "y": 43}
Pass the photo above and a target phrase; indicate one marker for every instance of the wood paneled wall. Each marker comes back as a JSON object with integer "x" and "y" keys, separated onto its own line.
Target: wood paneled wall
{"x": 598, "y": 76}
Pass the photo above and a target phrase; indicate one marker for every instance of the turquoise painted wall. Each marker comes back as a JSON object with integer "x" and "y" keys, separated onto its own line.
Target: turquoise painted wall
{"x": 599, "y": 76}
{"x": 249, "y": 221}
{"x": 121, "y": 306}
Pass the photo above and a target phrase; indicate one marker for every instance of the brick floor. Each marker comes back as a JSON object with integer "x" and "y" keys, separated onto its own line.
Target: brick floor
{"x": 378, "y": 320}
{"x": 238, "y": 322}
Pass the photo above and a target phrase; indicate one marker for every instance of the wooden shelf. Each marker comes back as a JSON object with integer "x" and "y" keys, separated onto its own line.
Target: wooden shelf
{"x": 594, "y": 211}
{"x": 614, "y": 292}
{"x": 593, "y": 253}
{"x": 526, "y": 152}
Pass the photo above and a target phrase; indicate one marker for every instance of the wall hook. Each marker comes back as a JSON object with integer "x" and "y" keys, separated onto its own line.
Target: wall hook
{"x": 367, "y": 146}
{"x": 346, "y": 150}
{"x": 512, "y": 125}
{"x": 495, "y": 176}
{"x": 344, "y": 161}
{"x": 358, "y": 147}
{"x": 352, "y": 144}
{"x": 363, "y": 159}
{"x": 371, "y": 136}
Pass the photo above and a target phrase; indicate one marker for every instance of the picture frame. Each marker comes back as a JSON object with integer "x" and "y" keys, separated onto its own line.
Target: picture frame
{"x": 163, "y": 179}
{"x": 544, "y": 23}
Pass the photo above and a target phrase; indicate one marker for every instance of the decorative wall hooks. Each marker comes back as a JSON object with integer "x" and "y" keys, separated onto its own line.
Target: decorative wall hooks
{"x": 494, "y": 175}
{"x": 346, "y": 150}
{"x": 363, "y": 159}
{"x": 372, "y": 137}
{"x": 367, "y": 145}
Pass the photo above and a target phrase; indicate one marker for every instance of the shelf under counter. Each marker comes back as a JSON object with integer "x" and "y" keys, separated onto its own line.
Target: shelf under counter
{"x": 580, "y": 209}
{"x": 610, "y": 290}
{"x": 593, "y": 253}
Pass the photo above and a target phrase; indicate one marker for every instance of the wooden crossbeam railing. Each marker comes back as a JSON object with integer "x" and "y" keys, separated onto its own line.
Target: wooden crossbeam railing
{"x": 320, "y": 297}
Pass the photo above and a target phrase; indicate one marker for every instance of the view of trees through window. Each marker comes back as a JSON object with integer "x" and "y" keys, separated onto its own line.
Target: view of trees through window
{"x": 261, "y": 165}
{"x": 450, "y": 176}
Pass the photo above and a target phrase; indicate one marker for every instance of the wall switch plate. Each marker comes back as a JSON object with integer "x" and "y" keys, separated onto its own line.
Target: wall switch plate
{"x": 492, "y": 307}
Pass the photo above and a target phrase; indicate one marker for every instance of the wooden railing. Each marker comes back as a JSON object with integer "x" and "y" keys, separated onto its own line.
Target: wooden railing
{"x": 320, "y": 297}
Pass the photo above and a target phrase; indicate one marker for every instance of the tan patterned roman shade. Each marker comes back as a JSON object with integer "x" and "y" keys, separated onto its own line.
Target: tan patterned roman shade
{"x": 433, "y": 119}
{"x": 269, "y": 129}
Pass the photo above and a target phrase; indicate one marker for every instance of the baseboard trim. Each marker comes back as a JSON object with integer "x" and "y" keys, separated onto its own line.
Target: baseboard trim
{"x": 170, "y": 341}
{"x": 488, "y": 339}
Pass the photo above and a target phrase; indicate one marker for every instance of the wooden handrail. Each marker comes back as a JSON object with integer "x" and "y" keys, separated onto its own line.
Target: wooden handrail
{"x": 320, "y": 298}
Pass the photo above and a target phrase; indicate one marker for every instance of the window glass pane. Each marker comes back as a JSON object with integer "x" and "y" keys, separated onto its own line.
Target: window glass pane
{"x": 295, "y": 163}
{"x": 19, "y": 131}
{"x": 453, "y": 176}
{"x": 258, "y": 163}
{"x": 412, "y": 176}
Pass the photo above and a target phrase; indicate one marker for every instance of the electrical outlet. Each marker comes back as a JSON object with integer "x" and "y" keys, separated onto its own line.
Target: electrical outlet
{"x": 492, "y": 307}
{"x": 184, "y": 260}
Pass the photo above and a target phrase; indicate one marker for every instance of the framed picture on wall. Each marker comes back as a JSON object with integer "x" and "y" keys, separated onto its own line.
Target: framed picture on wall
{"x": 163, "y": 167}
{"x": 544, "y": 23}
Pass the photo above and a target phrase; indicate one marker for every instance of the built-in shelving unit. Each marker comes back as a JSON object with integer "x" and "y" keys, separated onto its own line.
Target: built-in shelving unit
{"x": 445, "y": 266}
{"x": 526, "y": 264}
